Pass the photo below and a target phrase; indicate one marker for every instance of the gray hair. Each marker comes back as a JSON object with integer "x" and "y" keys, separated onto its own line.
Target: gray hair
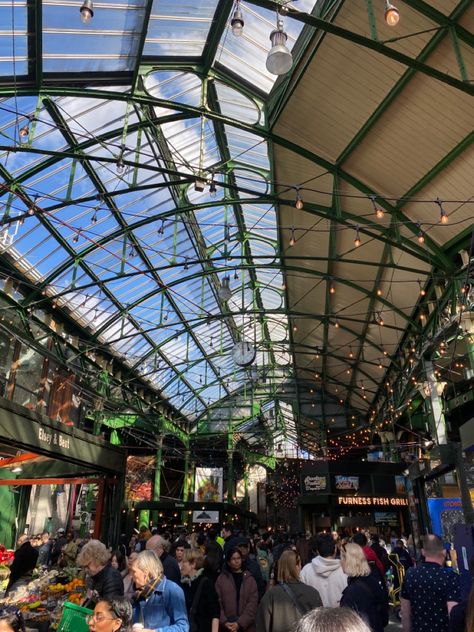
{"x": 150, "y": 563}
{"x": 331, "y": 620}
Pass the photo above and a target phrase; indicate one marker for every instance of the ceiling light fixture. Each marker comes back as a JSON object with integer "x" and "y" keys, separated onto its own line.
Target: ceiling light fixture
{"x": 377, "y": 210}
{"x": 443, "y": 216}
{"x": 292, "y": 241}
{"x": 392, "y": 14}
{"x": 237, "y": 21}
{"x": 421, "y": 234}
{"x": 299, "y": 201}
{"x": 120, "y": 165}
{"x": 87, "y": 11}
{"x": 224, "y": 292}
{"x": 357, "y": 241}
{"x": 279, "y": 59}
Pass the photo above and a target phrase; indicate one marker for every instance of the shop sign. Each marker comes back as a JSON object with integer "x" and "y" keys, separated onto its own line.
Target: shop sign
{"x": 52, "y": 438}
{"x": 206, "y": 517}
{"x": 372, "y": 501}
{"x": 314, "y": 484}
{"x": 347, "y": 482}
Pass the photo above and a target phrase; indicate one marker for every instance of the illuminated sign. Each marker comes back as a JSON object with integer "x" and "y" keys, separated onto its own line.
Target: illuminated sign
{"x": 372, "y": 501}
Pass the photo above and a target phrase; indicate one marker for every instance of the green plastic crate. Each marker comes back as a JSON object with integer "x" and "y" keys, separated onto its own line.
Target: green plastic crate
{"x": 74, "y": 618}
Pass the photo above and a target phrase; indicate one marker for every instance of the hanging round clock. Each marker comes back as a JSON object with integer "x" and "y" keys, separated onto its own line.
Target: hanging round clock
{"x": 243, "y": 353}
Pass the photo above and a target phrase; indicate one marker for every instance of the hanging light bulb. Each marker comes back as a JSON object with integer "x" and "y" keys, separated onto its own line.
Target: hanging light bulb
{"x": 379, "y": 319}
{"x": 24, "y": 131}
{"x": 237, "y": 21}
{"x": 421, "y": 234}
{"x": 292, "y": 241}
{"x": 377, "y": 210}
{"x": 422, "y": 289}
{"x": 443, "y": 216}
{"x": 299, "y": 201}
{"x": 332, "y": 289}
{"x": 279, "y": 59}
{"x": 224, "y": 292}
{"x": 357, "y": 241}
{"x": 120, "y": 167}
{"x": 392, "y": 15}
{"x": 87, "y": 12}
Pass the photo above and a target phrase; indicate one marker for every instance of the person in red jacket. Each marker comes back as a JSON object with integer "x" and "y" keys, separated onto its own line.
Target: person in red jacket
{"x": 370, "y": 555}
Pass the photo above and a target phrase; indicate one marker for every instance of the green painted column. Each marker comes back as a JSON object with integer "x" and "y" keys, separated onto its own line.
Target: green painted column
{"x": 230, "y": 476}
{"x": 246, "y": 487}
{"x": 157, "y": 480}
{"x": 469, "y": 340}
{"x": 187, "y": 485}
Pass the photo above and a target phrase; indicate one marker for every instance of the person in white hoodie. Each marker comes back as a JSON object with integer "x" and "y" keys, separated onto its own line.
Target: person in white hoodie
{"x": 325, "y": 573}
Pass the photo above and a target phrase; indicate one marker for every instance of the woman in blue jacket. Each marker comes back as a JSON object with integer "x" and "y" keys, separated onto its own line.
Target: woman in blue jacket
{"x": 159, "y": 603}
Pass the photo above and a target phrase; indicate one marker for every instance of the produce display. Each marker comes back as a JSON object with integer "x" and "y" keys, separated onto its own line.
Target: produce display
{"x": 42, "y": 599}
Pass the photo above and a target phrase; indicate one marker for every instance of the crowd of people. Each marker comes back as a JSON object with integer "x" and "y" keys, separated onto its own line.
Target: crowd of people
{"x": 234, "y": 582}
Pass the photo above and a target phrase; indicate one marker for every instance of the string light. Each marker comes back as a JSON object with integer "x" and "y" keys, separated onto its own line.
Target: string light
{"x": 120, "y": 165}
{"x": 392, "y": 14}
{"x": 421, "y": 234}
{"x": 292, "y": 241}
{"x": 357, "y": 238}
{"x": 377, "y": 210}
{"x": 422, "y": 289}
{"x": 299, "y": 201}
{"x": 443, "y": 216}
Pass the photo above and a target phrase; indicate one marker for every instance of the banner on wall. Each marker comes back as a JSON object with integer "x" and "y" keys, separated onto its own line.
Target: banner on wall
{"x": 314, "y": 484}
{"x": 139, "y": 477}
{"x": 444, "y": 514}
{"x": 208, "y": 484}
{"x": 347, "y": 482}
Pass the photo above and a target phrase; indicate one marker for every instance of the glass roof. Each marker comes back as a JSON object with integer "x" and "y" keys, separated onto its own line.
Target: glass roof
{"x": 141, "y": 196}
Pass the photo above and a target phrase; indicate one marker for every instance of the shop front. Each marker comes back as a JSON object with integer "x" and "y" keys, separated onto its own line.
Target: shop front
{"x": 52, "y": 476}
{"x": 372, "y": 496}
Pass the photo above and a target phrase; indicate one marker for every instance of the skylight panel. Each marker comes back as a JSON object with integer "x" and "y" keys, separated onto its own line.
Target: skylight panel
{"x": 178, "y": 29}
{"x": 13, "y": 48}
{"x": 109, "y": 43}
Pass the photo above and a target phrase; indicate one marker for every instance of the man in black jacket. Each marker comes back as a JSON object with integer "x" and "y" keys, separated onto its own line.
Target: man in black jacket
{"x": 251, "y": 565}
{"x": 24, "y": 561}
{"x": 160, "y": 546}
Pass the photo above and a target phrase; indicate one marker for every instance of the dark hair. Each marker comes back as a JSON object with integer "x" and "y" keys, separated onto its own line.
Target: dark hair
{"x": 360, "y": 539}
{"x": 325, "y": 545}
{"x": 13, "y": 617}
{"x": 122, "y": 609}
{"x": 121, "y": 559}
{"x": 230, "y": 553}
{"x": 181, "y": 543}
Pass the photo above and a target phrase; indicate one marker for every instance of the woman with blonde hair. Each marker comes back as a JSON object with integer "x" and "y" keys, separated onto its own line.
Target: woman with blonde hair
{"x": 283, "y": 605}
{"x": 332, "y": 620}
{"x": 105, "y": 581}
{"x": 364, "y": 593}
{"x": 159, "y": 603}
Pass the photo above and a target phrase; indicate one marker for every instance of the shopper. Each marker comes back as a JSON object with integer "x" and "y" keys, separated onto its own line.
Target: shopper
{"x": 177, "y": 551}
{"x": 159, "y": 603}
{"x": 250, "y": 564}
{"x": 160, "y": 546}
{"x": 111, "y": 615}
{"x": 283, "y": 605}
{"x": 105, "y": 581}
{"x": 370, "y": 555}
{"x": 403, "y": 554}
{"x": 238, "y": 595}
{"x": 128, "y": 581}
{"x": 332, "y": 620}
{"x": 324, "y": 572}
{"x": 202, "y": 602}
{"x": 380, "y": 551}
{"x": 69, "y": 551}
{"x": 364, "y": 592}
{"x": 24, "y": 561}
{"x": 429, "y": 591}
{"x": 11, "y": 620}
{"x": 119, "y": 561}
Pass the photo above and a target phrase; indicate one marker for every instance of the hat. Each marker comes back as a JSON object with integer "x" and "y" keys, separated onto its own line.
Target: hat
{"x": 241, "y": 541}
{"x": 61, "y": 530}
